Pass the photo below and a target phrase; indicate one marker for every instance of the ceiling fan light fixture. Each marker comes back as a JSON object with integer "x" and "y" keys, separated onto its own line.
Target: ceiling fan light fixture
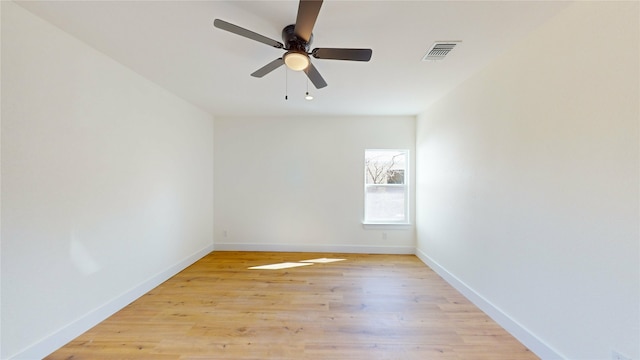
{"x": 296, "y": 61}
{"x": 296, "y": 41}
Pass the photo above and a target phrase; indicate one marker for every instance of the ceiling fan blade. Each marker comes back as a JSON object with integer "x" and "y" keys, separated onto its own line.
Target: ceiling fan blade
{"x": 221, "y": 24}
{"x": 315, "y": 77}
{"x": 307, "y": 14}
{"x": 342, "y": 54}
{"x": 268, "y": 68}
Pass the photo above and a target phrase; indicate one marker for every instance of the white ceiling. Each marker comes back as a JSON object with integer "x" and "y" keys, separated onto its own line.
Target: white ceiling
{"x": 174, "y": 44}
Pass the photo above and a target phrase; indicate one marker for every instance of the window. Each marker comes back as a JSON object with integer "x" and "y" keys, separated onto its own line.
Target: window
{"x": 385, "y": 187}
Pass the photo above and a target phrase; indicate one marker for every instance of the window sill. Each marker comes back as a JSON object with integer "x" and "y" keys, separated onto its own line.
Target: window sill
{"x": 398, "y": 226}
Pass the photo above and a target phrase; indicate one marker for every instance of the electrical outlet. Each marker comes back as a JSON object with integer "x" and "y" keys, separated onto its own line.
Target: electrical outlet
{"x": 617, "y": 356}
{"x": 225, "y": 233}
{"x": 384, "y": 236}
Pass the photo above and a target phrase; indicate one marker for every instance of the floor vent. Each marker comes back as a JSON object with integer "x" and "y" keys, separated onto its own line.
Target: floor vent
{"x": 439, "y": 50}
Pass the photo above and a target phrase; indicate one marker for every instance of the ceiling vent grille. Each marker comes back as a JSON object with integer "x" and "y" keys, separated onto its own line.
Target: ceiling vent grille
{"x": 439, "y": 50}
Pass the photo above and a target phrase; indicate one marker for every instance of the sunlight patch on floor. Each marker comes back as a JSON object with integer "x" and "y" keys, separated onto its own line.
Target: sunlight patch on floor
{"x": 322, "y": 260}
{"x": 285, "y": 265}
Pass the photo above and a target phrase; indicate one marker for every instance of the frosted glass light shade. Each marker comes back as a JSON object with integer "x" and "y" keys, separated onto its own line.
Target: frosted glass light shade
{"x": 296, "y": 61}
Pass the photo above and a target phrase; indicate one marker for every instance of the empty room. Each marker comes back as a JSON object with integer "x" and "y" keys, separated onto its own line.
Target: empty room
{"x": 320, "y": 180}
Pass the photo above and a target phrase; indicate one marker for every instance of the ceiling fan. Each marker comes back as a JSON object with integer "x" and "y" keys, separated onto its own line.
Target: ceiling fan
{"x": 297, "y": 41}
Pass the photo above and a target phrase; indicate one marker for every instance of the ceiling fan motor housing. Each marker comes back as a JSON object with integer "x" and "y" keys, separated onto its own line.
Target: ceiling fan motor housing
{"x": 293, "y": 42}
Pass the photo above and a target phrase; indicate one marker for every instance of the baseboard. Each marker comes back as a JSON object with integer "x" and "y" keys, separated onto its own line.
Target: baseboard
{"x": 61, "y": 337}
{"x": 356, "y": 249}
{"x": 526, "y": 337}
{"x": 54, "y": 341}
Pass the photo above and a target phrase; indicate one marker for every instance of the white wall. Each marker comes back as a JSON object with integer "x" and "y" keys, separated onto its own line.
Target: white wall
{"x": 296, "y": 184}
{"x": 106, "y": 185}
{"x": 528, "y": 177}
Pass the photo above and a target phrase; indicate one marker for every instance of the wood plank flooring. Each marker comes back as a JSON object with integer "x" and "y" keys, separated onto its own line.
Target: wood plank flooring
{"x": 365, "y": 307}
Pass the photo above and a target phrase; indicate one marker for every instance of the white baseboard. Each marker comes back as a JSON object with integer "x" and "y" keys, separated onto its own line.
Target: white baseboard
{"x": 526, "y": 337}
{"x": 357, "y": 249}
{"x": 61, "y": 337}
{"x": 54, "y": 341}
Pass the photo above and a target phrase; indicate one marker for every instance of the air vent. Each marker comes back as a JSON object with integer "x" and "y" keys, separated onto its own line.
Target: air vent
{"x": 439, "y": 50}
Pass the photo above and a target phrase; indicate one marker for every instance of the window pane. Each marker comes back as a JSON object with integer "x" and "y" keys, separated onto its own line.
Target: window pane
{"x": 385, "y": 166}
{"x": 384, "y": 203}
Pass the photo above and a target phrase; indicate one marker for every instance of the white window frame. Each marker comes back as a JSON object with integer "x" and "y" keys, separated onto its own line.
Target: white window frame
{"x": 406, "y": 187}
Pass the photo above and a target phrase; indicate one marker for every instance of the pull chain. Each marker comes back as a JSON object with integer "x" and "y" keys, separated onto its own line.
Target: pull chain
{"x": 307, "y": 96}
{"x": 286, "y": 84}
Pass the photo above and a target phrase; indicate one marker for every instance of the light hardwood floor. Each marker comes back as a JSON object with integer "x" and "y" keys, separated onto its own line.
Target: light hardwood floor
{"x": 365, "y": 307}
